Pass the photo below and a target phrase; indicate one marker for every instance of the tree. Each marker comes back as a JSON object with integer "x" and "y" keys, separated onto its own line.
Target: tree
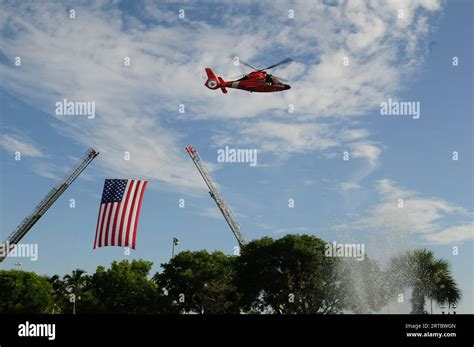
{"x": 24, "y": 292}
{"x": 59, "y": 294}
{"x": 444, "y": 289}
{"x": 74, "y": 283}
{"x": 200, "y": 282}
{"x": 123, "y": 288}
{"x": 290, "y": 275}
{"x": 426, "y": 276}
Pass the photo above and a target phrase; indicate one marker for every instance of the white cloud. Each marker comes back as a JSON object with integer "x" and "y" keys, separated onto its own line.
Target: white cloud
{"x": 286, "y": 230}
{"x": 362, "y": 149}
{"x": 425, "y": 216}
{"x": 292, "y": 230}
{"x": 349, "y": 186}
{"x": 381, "y": 52}
{"x": 353, "y": 134}
{"x": 20, "y": 143}
{"x": 210, "y": 212}
{"x": 47, "y": 170}
{"x": 452, "y": 235}
{"x": 365, "y": 150}
{"x": 82, "y": 59}
{"x": 136, "y": 106}
{"x": 282, "y": 137}
{"x": 389, "y": 190}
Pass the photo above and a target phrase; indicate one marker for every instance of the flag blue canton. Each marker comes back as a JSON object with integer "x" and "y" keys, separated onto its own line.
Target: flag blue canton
{"x": 113, "y": 190}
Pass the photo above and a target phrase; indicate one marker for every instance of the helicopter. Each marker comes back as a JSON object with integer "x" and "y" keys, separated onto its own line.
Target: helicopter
{"x": 256, "y": 81}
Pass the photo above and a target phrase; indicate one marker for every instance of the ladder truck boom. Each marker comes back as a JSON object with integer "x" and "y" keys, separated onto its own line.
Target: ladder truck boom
{"x": 223, "y": 206}
{"x": 27, "y": 223}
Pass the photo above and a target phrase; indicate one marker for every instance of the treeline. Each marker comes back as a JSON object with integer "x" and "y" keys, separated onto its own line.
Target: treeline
{"x": 291, "y": 275}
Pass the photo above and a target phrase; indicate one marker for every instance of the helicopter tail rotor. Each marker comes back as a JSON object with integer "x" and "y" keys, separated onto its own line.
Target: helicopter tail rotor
{"x": 213, "y": 82}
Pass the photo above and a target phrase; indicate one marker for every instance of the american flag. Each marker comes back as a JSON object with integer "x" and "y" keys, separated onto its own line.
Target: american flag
{"x": 119, "y": 213}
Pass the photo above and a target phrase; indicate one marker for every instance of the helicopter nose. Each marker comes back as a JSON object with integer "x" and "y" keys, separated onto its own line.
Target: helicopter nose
{"x": 287, "y": 86}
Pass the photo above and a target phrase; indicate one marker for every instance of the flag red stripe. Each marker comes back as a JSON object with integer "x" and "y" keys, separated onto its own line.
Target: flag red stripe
{"x": 138, "y": 215}
{"x": 115, "y": 223}
{"x": 99, "y": 236}
{"x": 108, "y": 210}
{"x": 124, "y": 211}
{"x": 101, "y": 229}
{"x": 118, "y": 241}
{"x": 130, "y": 215}
{"x": 111, "y": 209}
{"x": 97, "y": 227}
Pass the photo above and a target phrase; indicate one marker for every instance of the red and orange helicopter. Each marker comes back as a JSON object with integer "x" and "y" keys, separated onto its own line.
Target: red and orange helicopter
{"x": 255, "y": 81}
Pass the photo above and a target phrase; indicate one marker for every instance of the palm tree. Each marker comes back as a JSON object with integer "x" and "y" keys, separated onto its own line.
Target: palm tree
{"x": 74, "y": 284}
{"x": 438, "y": 270}
{"x": 428, "y": 277}
{"x": 59, "y": 293}
{"x": 445, "y": 290}
{"x": 422, "y": 272}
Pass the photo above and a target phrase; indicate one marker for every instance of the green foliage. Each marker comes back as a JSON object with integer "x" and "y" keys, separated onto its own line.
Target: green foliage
{"x": 24, "y": 292}
{"x": 289, "y": 275}
{"x": 200, "y": 282}
{"x": 59, "y": 293}
{"x": 426, "y": 276}
{"x": 74, "y": 284}
{"x": 123, "y": 288}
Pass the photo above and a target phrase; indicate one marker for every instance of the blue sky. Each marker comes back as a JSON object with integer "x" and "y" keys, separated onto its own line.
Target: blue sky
{"x": 300, "y": 154}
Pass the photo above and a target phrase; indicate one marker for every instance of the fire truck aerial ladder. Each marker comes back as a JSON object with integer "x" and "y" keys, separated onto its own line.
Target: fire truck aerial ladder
{"x": 223, "y": 206}
{"x": 27, "y": 223}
